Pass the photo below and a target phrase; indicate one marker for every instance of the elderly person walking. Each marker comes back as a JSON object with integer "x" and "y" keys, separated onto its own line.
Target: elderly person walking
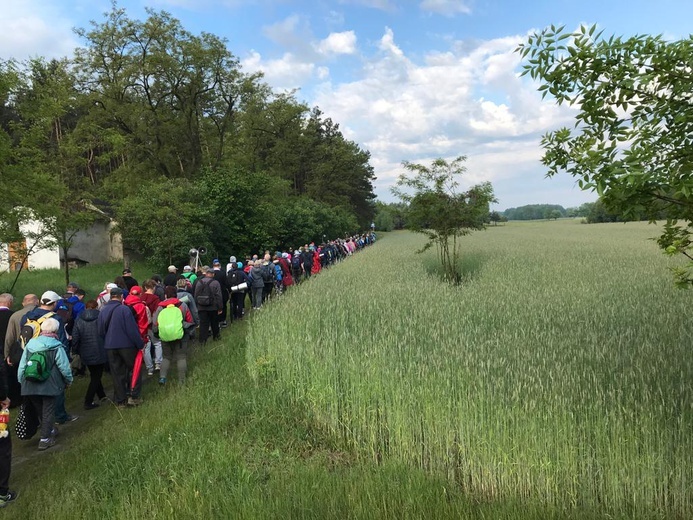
{"x": 43, "y": 392}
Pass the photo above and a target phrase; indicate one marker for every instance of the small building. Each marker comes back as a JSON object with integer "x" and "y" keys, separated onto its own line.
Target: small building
{"x": 99, "y": 243}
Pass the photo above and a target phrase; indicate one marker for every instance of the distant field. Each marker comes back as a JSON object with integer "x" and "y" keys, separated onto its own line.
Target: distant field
{"x": 560, "y": 373}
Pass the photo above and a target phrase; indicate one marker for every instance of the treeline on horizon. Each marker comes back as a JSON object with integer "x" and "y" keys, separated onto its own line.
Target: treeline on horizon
{"x": 392, "y": 216}
{"x": 161, "y": 129}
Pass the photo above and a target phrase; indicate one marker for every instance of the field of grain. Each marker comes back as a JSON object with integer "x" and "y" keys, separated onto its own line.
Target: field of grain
{"x": 560, "y": 372}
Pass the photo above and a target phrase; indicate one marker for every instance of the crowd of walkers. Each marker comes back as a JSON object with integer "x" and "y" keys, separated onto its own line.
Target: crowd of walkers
{"x": 128, "y": 329}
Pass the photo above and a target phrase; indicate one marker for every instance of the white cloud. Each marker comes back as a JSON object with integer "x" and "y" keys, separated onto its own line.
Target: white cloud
{"x": 285, "y": 73}
{"x": 446, "y": 7}
{"x": 34, "y": 28}
{"x": 468, "y": 100}
{"x": 338, "y": 43}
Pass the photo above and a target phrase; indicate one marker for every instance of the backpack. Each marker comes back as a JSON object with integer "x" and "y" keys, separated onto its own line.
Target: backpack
{"x": 31, "y": 329}
{"x": 268, "y": 273}
{"x": 170, "y": 323}
{"x": 296, "y": 262}
{"x": 65, "y": 310}
{"x": 204, "y": 298}
{"x": 38, "y": 367}
{"x": 234, "y": 277}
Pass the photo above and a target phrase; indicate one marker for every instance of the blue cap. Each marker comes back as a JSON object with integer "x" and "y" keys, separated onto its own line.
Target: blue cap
{"x": 240, "y": 265}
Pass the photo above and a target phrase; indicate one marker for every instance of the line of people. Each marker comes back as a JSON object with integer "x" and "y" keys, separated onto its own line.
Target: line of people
{"x": 128, "y": 326}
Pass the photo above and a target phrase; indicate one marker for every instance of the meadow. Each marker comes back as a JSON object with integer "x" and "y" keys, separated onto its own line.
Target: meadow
{"x": 557, "y": 376}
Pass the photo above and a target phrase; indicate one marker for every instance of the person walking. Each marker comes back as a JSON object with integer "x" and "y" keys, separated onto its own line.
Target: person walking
{"x": 209, "y": 304}
{"x": 43, "y": 393}
{"x": 122, "y": 340}
{"x": 172, "y": 323}
{"x": 257, "y": 284}
{"x": 87, "y": 343}
{"x": 236, "y": 277}
{"x": 152, "y": 301}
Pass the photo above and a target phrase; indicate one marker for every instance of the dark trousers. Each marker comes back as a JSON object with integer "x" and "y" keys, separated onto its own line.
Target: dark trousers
{"x": 14, "y": 391}
{"x": 121, "y": 361}
{"x": 95, "y": 386}
{"x": 224, "y": 309}
{"x": 208, "y": 319}
{"x": 237, "y": 302}
{"x": 45, "y": 410}
{"x": 5, "y": 464}
{"x": 267, "y": 291}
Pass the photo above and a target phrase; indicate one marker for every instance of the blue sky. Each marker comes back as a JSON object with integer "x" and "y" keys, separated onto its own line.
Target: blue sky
{"x": 405, "y": 79}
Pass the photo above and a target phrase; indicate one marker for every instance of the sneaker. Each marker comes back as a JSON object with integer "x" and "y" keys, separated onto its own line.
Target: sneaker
{"x": 157, "y": 367}
{"x": 150, "y": 372}
{"x": 134, "y": 401}
{"x": 9, "y": 497}
{"x": 70, "y": 418}
{"x": 90, "y": 406}
{"x": 54, "y": 432}
{"x": 44, "y": 445}
{"x": 162, "y": 381}
{"x": 223, "y": 324}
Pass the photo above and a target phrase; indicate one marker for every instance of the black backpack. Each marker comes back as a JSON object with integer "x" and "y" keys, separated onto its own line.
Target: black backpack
{"x": 204, "y": 297}
{"x": 234, "y": 278}
{"x": 268, "y": 273}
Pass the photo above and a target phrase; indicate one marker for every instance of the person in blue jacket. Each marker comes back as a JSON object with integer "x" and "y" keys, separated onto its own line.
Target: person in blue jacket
{"x": 122, "y": 341}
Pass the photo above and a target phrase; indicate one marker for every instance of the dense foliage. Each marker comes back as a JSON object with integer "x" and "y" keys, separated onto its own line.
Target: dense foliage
{"x": 632, "y": 141}
{"x": 534, "y": 212}
{"x": 165, "y": 127}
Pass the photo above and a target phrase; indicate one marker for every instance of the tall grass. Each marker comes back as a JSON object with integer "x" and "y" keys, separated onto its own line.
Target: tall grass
{"x": 219, "y": 448}
{"x": 558, "y": 374}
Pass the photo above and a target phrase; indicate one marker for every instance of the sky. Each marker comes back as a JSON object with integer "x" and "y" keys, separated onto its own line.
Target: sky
{"x": 407, "y": 80}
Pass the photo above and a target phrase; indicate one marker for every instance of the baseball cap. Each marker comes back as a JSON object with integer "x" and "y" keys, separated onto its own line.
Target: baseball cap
{"x": 127, "y": 271}
{"x": 136, "y": 290}
{"x": 116, "y": 291}
{"x": 49, "y": 297}
{"x": 172, "y": 268}
{"x": 187, "y": 268}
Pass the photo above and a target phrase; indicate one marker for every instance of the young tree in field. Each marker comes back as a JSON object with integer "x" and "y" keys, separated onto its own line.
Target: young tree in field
{"x": 632, "y": 142}
{"x": 494, "y": 217}
{"x": 439, "y": 211}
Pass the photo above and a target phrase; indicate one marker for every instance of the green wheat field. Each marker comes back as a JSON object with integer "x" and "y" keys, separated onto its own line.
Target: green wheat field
{"x": 559, "y": 374}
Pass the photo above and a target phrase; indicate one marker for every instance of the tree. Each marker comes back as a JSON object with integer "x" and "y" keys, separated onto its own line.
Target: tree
{"x": 632, "y": 142}
{"x": 164, "y": 220}
{"x": 494, "y": 217}
{"x": 439, "y": 211}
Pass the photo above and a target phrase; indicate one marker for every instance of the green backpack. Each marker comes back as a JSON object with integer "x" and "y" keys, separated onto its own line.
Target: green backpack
{"x": 170, "y": 323}
{"x": 38, "y": 369}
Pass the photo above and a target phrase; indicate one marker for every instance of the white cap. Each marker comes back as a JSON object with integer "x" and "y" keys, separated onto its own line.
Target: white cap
{"x": 187, "y": 268}
{"x": 49, "y": 297}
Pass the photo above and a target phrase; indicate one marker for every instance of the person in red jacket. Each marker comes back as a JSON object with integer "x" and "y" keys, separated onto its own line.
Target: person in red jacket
{"x": 287, "y": 279}
{"x": 143, "y": 316}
